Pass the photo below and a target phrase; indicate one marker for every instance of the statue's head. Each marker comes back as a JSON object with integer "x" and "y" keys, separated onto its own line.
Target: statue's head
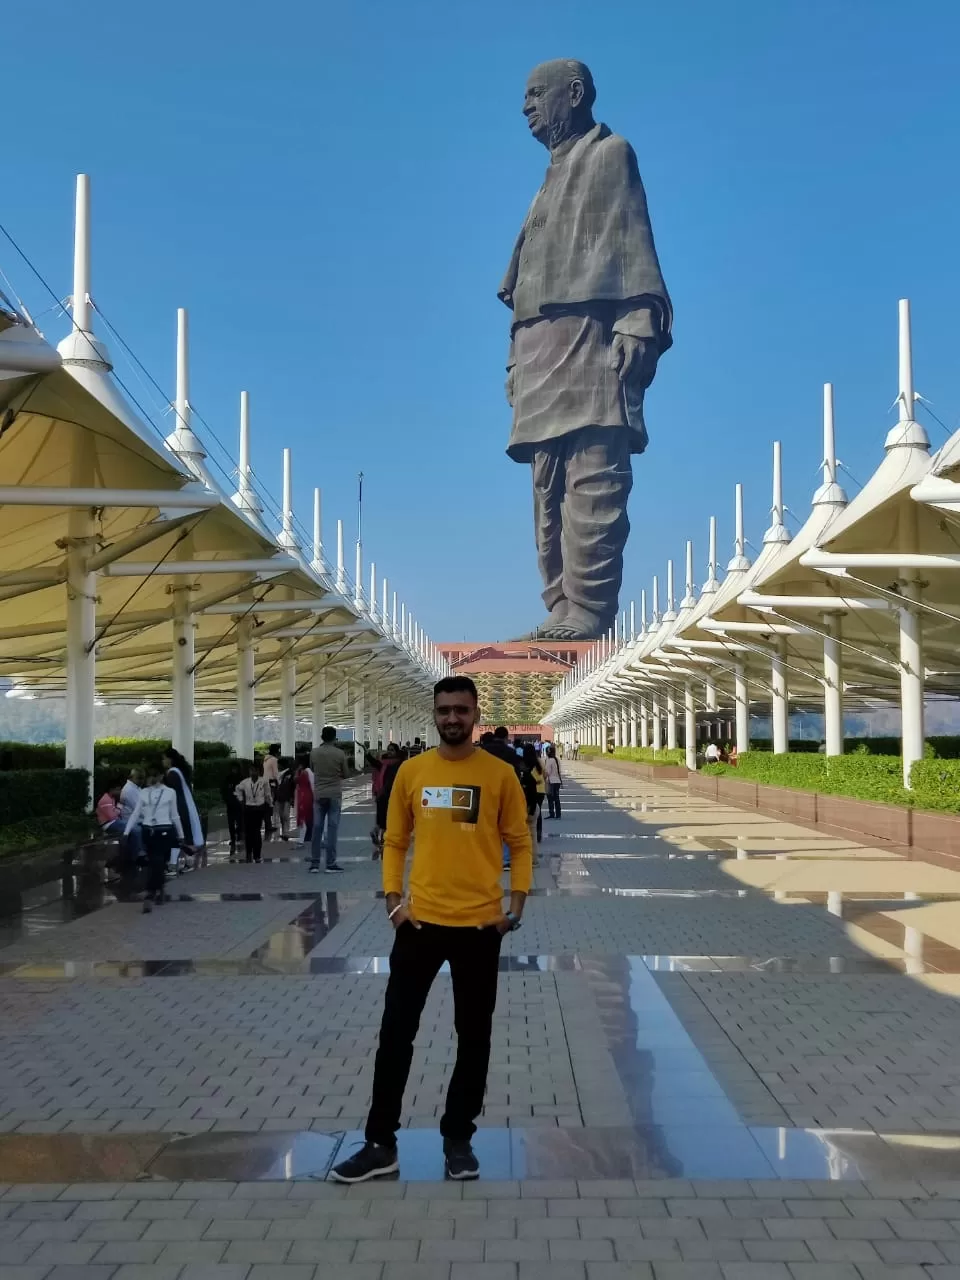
{"x": 559, "y": 100}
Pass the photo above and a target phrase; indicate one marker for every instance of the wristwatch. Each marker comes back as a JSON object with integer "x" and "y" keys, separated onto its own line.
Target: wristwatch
{"x": 515, "y": 921}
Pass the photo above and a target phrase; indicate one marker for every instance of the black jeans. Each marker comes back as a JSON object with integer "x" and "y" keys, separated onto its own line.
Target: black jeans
{"x": 253, "y": 831}
{"x": 473, "y": 955}
{"x": 234, "y": 821}
{"x": 553, "y": 799}
{"x": 157, "y": 843}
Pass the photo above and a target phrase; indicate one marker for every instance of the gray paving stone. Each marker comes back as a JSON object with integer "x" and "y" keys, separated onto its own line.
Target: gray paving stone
{"x": 120, "y": 1251}
{"x": 214, "y": 1271}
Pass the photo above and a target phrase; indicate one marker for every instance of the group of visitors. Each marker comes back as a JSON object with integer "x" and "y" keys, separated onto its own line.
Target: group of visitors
{"x": 539, "y": 775}
{"x": 262, "y": 802}
{"x": 717, "y": 753}
{"x": 153, "y": 814}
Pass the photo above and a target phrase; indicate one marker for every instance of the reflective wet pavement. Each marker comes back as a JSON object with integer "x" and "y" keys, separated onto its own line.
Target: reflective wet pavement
{"x": 695, "y": 993}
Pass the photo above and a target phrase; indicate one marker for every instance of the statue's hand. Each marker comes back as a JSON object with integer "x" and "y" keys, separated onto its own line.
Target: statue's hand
{"x": 635, "y": 359}
{"x": 511, "y": 383}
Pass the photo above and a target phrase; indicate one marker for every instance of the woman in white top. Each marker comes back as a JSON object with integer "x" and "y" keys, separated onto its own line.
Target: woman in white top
{"x": 156, "y": 811}
{"x": 554, "y": 780}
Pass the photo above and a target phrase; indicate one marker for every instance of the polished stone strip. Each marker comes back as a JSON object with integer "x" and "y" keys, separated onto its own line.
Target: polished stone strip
{"x": 265, "y": 964}
{"x": 665, "y": 1151}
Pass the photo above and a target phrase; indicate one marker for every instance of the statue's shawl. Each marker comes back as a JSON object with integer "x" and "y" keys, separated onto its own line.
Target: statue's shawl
{"x": 595, "y": 243}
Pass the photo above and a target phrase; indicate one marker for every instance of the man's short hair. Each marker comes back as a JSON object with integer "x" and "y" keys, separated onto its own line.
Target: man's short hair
{"x": 454, "y": 684}
{"x": 328, "y": 734}
{"x": 502, "y": 732}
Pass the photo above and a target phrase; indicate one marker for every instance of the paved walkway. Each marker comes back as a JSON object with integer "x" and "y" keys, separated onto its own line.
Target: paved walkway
{"x": 725, "y": 1047}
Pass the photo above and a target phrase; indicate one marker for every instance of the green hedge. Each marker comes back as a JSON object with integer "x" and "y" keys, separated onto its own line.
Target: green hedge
{"x": 44, "y": 833}
{"x": 120, "y": 753}
{"x": 935, "y": 784}
{"x": 861, "y": 776}
{"x": 639, "y": 755}
{"x": 37, "y": 793}
{"x": 944, "y": 747}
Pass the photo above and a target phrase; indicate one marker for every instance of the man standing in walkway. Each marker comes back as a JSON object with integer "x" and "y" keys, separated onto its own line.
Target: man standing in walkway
{"x": 460, "y": 804}
{"x": 329, "y": 765}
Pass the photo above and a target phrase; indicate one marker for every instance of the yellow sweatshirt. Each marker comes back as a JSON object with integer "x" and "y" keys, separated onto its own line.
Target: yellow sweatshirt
{"x": 460, "y": 814}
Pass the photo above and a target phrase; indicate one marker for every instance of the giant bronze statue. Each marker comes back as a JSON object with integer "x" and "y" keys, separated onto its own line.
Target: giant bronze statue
{"x": 591, "y": 318}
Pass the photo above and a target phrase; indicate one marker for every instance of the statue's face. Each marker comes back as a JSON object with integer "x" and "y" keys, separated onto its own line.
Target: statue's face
{"x": 550, "y": 101}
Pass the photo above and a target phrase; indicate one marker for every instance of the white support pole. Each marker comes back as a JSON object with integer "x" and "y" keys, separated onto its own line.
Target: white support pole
{"x": 671, "y": 721}
{"x": 81, "y": 634}
{"x": 689, "y": 599}
{"x": 742, "y": 704}
{"x": 633, "y": 723}
{"x": 359, "y": 727}
{"x": 656, "y": 724}
{"x": 689, "y": 727}
{"x": 288, "y": 705}
{"x": 358, "y": 576}
{"x": 739, "y": 560}
{"x": 710, "y": 691}
{"x": 671, "y": 612}
{"x": 341, "y": 567}
{"x": 183, "y": 680}
{"x": 245, "y": 498}
{"x": 617, "y": 728}
{"x": 246, "y": 674}
{"x": 317, "y": 531}
{"x": 832, "y": 686}
{"x": 81, "y": 309}
{"x": 384, "y": 616}
{"x": 372, "y": 602}
{"x": 644, "y": 724}
{"x": 288, "y": 538}
{"x": 911, "y": 678}
{"x": 394, "y": 629}
{"x": 319, "y": 698}
{"x": 779, "y": 709}
{"x": 711, "y": 585}
{"x": 907, "y": 395}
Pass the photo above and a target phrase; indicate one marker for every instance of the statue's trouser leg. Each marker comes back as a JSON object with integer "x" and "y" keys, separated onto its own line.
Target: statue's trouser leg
{"x": 549, "y": 481}
{"x": 599, "y": 478}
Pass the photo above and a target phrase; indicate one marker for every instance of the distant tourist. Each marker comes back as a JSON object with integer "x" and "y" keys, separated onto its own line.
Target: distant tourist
{"x": 108, "y": 811}
{"x": 712, "y": 753}
{"x": 129, "y": 795}
{"x": 179, "y": 777}
{"x": 271, "y": 776}
{"x": 303, "y": 790}
{"x": 554, "y": 779}
{"x": 253, "y": 795}
{"x": 284, "y": 797}
{"x": 382, "y": 785}
{"x": 329, "y": 765}
{"x": 233, "y": 805}
{"x": 157, "y": 814}
{"x": 532, "y": 764}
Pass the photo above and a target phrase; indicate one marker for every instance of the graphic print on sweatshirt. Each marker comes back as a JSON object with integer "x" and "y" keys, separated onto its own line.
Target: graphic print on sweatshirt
{"x": 461, "y": 803}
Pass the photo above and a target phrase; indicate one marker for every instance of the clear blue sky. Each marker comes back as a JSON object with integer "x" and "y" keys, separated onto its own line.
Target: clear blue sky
{"x": 334, "y": 189}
